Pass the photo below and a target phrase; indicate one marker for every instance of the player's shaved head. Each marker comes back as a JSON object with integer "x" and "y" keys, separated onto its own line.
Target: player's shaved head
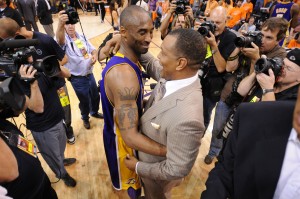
{"x": 133, "y": 15}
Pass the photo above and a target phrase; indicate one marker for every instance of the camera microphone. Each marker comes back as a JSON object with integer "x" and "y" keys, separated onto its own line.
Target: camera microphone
{"x": 18, "y": 43}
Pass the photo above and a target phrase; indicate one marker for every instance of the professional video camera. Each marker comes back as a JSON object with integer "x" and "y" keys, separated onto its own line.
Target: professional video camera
{"x": 71, "y": 12}
{"x": 11, "y": 95}
{"x": 261, "y": 17}
{"x": 206, "y": 27}
{"x": 181, "y": 6}
{"x": 14, "y": 53}
{"x": 262, "y": 65}
{"x": 245, "y": 40}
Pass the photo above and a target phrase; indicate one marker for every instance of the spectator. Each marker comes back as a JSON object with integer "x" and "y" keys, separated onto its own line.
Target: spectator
{"x": 27, "y": 9}
{"x": 295, "y": 43}
{"x": 235, "y": 16}
{"x": 210, "y": 5}
{"x": 248, "y": 8}
{"x": 143, "y": 4}
{"x": 248, "y": 27}
{"x": 45, "y": 16}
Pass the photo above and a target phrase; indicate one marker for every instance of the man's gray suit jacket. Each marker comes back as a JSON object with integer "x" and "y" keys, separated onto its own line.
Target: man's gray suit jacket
{"x": 175, "y": 121}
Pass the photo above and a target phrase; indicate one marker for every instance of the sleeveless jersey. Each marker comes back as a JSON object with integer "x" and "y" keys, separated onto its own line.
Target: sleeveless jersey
{"x": 115, "y": 147}
{"x": 283, "y": 10}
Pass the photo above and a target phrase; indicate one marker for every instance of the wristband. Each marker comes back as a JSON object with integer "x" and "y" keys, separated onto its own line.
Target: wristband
{"x": 234, "y": 57}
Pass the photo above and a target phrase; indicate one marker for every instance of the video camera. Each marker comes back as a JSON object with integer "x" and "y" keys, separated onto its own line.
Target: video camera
{"x": 181, "y": 6}
{"x": 245, "y": 40}
{"x": 71, "y": 12}
{"x": 262, "y": 65}
{"x": 14, "y": 53}
{"x": 206, "y": 27}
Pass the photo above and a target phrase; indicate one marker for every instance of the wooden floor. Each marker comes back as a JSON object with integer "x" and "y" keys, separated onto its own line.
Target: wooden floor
{"x": 91, "y": 171}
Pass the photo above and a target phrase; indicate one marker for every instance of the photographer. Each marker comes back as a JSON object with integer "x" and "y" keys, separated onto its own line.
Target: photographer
{"x": 182, "y": 18}
{"x": 82, "y": 57}
{"x": 272, "y": 86}
{"x": 221, "y": 45}
{"x": 21, "y": 173}
{"x": 47, "y": 127}
{"x": 241, "y": 62}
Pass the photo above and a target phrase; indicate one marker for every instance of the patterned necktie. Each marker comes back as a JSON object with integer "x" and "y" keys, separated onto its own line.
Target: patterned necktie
{"x": 160, "y": 92}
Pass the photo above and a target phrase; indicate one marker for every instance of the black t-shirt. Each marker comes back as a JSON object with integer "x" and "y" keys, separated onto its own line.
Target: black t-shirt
{"x": 53, "y": 111}
{"x": 288, "y": 94}
{"x": 32, "y": 182}
{"x": 13, "y": 14}
{"x": 212, "y": 81}
{"x": 226, "y": 47}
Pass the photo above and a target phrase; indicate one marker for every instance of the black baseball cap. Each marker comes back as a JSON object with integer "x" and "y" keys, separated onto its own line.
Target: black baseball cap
{"x": 294, "y": 56}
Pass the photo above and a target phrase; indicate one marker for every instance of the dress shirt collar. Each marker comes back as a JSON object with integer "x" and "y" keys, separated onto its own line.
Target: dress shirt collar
{"x": 294, "y": 137}
{"x": 175, "y": 85}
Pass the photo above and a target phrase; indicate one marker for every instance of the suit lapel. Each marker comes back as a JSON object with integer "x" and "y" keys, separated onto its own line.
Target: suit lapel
{"x": 269, "y": 155}
{"x": 167, "y": 102}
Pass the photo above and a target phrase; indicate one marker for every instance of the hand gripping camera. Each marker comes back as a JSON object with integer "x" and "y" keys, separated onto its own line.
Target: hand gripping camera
{"x": 245, "y": 40}
{"x": 14, "y": 53}
{"x": 71, "y": 12}
{"x": 262, "y": 65}
{"x": 206, "y": 27}
{"x": 181, "y": 6}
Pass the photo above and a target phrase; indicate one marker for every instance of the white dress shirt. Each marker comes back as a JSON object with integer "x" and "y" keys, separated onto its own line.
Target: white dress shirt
{"x": 288, "y": 186}
{"x": 175, "y": 85}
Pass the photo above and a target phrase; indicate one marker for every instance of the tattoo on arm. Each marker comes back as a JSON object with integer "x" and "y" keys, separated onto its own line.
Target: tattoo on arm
{"x": 129, "y": 113}
{"x": 127, "y": 94}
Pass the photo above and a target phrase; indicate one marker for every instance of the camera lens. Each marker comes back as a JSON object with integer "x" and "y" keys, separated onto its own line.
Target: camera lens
{"x": 239, "y": 42}
{"x": 180, "y": 9}
{"x": 203, "y": 30}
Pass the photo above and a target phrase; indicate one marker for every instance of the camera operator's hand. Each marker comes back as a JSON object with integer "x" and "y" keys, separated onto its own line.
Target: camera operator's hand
{"x": 266, "y": 81}
{"x": 62, "y": 17}
{"x": 189, "y": 12}
{"x": 27, "y": 72}
{"x": 212, "y": 41}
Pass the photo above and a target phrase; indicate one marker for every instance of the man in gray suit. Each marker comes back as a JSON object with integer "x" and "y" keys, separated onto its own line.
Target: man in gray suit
{"x": 27, "y": 9}
{"x": 176, "y": 120}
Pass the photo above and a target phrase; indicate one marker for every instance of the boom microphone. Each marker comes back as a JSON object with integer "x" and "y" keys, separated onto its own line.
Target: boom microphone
{"x": 17, "y": 43}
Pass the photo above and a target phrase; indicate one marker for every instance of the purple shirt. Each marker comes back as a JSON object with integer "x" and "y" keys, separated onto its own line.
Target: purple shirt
{"x": 152, "y": 5}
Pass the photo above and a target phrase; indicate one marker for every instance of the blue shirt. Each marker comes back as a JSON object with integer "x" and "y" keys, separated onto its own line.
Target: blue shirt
{"x": 77, "y": 64}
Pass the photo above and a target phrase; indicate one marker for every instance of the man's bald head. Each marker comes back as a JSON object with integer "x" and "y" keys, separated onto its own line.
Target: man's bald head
{"x": 218, "y": 16}
{"x": 8, "y": 28}
{"x": 219, "y": 12}
{"x": 133, "y": 15}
